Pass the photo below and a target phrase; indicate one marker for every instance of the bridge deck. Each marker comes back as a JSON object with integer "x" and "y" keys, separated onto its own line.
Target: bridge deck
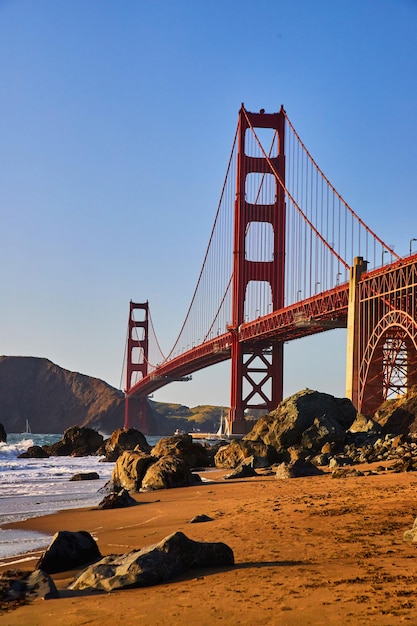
{"x": 322, "y": 312}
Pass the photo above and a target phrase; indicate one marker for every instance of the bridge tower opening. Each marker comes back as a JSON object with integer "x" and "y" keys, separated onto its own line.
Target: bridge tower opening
{"x": 257, "y": 367}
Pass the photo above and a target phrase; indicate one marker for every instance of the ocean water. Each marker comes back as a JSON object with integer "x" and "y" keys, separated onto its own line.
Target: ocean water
{"x": 34, "y": 487}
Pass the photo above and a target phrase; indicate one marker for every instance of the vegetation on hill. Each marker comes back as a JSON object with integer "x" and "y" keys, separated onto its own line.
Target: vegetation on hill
{"x": 177, "y": 416}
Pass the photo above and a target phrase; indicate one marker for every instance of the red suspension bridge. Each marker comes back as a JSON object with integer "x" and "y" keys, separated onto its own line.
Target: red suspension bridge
{"x": 287, "y": 257}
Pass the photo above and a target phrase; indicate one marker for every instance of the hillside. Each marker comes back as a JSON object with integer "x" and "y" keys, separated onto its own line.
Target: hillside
{"x": 53, "y": 399}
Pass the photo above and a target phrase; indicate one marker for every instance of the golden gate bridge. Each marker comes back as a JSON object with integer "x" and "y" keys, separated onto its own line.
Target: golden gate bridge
{"x": 287, "y": 257}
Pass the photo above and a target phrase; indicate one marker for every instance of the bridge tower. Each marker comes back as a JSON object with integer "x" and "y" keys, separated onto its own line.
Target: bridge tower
{"x": 136, "y": 407}
{"x": 257, "y": 368}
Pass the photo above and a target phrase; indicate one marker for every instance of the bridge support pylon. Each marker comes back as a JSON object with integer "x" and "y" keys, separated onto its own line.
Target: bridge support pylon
{"x": 257, "y": 367}
{"x": 137, "y": 408}
{"x": 352, "y": 347}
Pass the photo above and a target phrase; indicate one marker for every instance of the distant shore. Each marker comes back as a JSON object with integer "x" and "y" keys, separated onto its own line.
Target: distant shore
{"x": 308, "y": 551}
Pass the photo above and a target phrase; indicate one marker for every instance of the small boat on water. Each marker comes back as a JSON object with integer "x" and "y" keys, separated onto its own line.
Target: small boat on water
{"x": 28, "y": 430}
{"x": 223, "y": 434}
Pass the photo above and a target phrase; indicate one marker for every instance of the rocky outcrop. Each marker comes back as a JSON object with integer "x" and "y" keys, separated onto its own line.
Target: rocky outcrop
{"x": 172, "y": 557}
{"x": 34, "y": 452}
{"x": 399, "y": 415}
{"x": 76, "y": 441}
{"x": 130, "y": 469}
{"x": 3, "y": 434}
{"x": 168, "y": 472}
{"x": 234, "y": 453}
{"x": 124, "y": 439}
{"x": 117, "y": 500}
{"x": 69, "y": 550}
{"x": 182, "y": 446}
{"x": 308, "y": 418}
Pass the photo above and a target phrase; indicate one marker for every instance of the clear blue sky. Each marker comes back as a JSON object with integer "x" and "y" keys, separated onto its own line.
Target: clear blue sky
{"x": 116, "y": 124}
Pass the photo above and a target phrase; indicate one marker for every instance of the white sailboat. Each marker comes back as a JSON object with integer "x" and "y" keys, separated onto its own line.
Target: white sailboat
{"x": 224, "y": 428}
{"x": 28, "y": 430}
{"x": 224, "y": 432}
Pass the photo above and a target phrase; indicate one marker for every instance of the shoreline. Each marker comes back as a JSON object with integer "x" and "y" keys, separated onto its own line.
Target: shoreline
{"x": 308, "y": 551}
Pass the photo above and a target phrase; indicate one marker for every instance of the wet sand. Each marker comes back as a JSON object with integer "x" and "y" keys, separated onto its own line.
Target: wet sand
{"x": 307, "y": 551}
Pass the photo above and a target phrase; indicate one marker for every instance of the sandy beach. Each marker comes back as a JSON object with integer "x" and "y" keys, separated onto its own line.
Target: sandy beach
{"x": 311, "y": 550}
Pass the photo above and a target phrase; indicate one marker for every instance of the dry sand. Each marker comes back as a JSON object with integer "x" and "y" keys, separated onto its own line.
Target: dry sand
{"x": 307, "y": 551}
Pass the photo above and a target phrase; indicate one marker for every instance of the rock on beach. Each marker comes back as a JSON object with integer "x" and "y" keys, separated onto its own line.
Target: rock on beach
{"x": 173, "y": 556}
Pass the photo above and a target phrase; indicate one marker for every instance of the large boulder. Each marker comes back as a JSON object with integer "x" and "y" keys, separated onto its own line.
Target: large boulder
{"x": 234, "y": 453}
{"x": 325, "y": 416}
{"x": 3, "y": 434}
{"x": 76, "y": 441}
{"x": 169, "y": 472}
{"x": 69, "y": 550}
{"x": 124, "y": 439}
{"x": 129, "y": 470}
{"x": 173, "y": 556}
{"x": 183, "y": 446}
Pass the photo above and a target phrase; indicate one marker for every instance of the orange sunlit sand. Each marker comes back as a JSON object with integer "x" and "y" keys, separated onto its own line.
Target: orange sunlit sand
{"x": 307, "y": 551}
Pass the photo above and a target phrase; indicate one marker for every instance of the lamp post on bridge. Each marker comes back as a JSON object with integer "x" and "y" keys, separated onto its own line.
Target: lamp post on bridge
{"x": 411, "y": 244}
{"x": 382, "y": 256}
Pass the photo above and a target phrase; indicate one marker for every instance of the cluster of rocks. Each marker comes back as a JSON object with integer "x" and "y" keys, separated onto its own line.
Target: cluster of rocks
{"x": 399, "y": 450}
{"x": 173, "y": 556}
{"x": 80, "y": 441}
{"x": 312, "y": 430}
{"x": 308, "y": 431}
{"x": 169, "y": 464}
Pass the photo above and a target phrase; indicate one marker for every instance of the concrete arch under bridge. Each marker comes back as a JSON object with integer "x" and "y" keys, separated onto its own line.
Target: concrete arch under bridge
{"x": 382, "y": 334}
{"x": 389, "y": 363}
